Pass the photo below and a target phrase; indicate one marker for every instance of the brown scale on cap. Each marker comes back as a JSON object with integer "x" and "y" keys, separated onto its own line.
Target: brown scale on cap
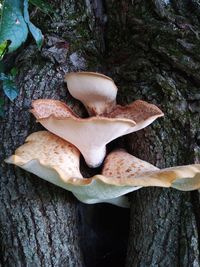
{"x": 57, "y": 161}
{"x": 121, "y": 164}
{"x": 138, "y": 111}
{"x": 51, "y": 151}
{"x": 43, "y": 108}
{"x": 89, "y": 135}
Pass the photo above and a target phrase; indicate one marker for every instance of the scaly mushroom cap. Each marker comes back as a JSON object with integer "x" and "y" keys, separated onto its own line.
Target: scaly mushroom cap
{"x": 90, "y": 135}
{"x": 120, "y": 164}
{"x": 96, "y": 91}
{"x": 48, "y": 156}
{"x": 57, "y": 161}
{"x": 139, "y": 111}
{"x": 124, "y": 169}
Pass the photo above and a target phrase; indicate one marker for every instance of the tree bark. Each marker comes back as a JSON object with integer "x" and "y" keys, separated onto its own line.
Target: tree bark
{"x": 150, "y": 48}
{"x": 39, "y": 223}
{"x": 153, "y": 49}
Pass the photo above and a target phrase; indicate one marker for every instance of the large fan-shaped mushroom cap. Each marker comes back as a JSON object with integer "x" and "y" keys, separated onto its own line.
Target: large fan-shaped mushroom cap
{"x": 96, "y": 91}
{"x": 90, "y": 135}
{"x": 57, "y": 161}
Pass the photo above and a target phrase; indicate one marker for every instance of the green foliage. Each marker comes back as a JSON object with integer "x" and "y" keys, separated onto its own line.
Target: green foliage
{"x": 15, "y": 25}
{"x": 4, "y": 48}
{"x": 12, "y": 24}
{"x": 9, "y": 87}
{"x": 37, "y": 34}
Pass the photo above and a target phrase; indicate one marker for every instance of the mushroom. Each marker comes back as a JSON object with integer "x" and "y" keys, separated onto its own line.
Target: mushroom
{"x": 91, "y": 135}
{"x": 96, "y": 91}
{"x": 123, "y": 169}
{"x": 57, "y": 161}
{"x": 139, "y": 111}
{"x": 98, "y": 94}
{"x": 48, "y": 156}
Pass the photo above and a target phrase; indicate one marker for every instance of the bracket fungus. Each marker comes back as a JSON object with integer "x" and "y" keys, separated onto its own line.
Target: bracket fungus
{"x": 91, "y": 135}
{"x": 125, "y": 169}
{"x": 57, "y": 161}
{"x": 55, "y": 155}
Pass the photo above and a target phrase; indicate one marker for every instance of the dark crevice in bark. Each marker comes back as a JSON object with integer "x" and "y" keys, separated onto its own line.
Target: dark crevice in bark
{"x": 195, "y": 199}
{"x": 104, "y": 234}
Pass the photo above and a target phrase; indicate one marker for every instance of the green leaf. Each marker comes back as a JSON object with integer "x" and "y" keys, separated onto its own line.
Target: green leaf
{"x": 4, "y": 48}
{"x": 10, "y": 89}
{"x": 3, "y": 77}
{"x": 12, "y": 24}
{"x": 14, "y": 72}
{"x": 42, "y": 5}
{"x": 37, "y": 34}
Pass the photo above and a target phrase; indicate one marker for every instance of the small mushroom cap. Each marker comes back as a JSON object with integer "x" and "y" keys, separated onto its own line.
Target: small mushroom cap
{"x": 96, "y": 91}
{"x": 89, "y": 135}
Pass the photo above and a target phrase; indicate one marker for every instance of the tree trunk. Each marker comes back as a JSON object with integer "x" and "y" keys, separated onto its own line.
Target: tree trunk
{"x": 158, "y": 60}
{"x": 38, "y": 221}
{"x": 150, "y": 48}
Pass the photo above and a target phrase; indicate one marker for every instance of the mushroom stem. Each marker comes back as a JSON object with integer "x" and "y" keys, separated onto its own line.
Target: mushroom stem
{"x": 94, "y": 156}
{"x": 100, "y": 108}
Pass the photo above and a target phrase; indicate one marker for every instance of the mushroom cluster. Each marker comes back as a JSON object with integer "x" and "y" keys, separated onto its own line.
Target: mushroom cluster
{"x": 54, "y": 155}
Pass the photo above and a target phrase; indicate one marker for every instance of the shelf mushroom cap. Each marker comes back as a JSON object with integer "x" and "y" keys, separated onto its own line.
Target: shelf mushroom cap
{"x": 96, "y": 91}
{"x": 90, "y": 135}
{"x": 52, "y": 152}
{"x": 57, "y": 161}
{"x": 139, "y": 111}
{"x": 123, "y": 169}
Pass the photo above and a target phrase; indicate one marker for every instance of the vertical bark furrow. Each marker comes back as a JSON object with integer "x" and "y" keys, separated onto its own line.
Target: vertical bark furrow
{"x": 156, "y": 233}
{"x": 159, "y": 63}
{"x": 38, "y": 221}
{"x": 32, "y": 233}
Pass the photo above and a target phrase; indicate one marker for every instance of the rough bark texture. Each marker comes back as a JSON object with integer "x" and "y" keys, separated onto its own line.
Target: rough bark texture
{"x": 38, "y": 221}
{"x": 159, "y": 61}
{"x": 151, "y": 49}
